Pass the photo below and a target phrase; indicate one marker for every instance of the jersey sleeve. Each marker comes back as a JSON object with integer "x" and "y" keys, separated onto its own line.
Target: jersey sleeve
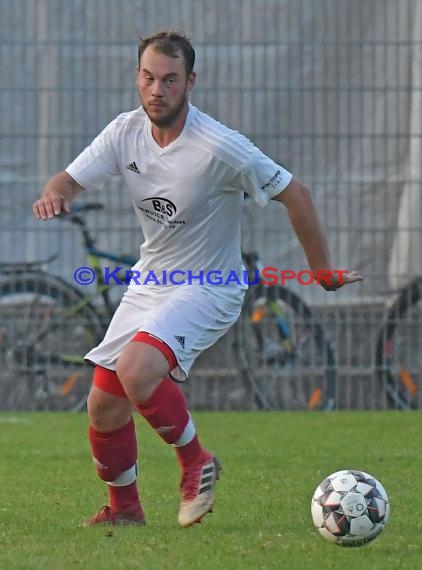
{"x": 262, "y": 178}
{"x": 98, "y": 161}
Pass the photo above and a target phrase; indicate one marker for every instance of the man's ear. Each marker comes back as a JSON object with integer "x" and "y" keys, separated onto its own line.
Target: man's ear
{"x": 137, "y": 71}
{"x": 191, "y": 81}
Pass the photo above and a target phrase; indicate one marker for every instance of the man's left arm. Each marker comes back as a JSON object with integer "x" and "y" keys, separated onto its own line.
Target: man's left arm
{"x": 308, "y": 228}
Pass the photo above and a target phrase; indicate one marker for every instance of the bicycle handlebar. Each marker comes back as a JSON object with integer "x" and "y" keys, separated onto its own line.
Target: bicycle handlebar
{"x": 77, "y": 208}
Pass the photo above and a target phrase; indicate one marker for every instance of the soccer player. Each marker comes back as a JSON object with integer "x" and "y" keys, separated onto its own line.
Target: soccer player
{"x": 186, "y": 175}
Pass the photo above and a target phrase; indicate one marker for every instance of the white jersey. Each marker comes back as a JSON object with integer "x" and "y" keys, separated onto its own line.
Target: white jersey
{"x": 188, "y": 196}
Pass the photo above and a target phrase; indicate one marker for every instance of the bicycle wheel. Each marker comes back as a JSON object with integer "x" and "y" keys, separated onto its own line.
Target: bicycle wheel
{"x": 283, "y": 354}
{"x": 399, "y": 351}
{"x": 45, "y": 329}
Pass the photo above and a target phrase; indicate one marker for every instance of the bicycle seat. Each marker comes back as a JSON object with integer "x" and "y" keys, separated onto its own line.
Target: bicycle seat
{"x": 25, "y": 266}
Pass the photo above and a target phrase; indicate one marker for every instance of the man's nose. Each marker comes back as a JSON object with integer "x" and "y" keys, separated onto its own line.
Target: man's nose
{"x": 157, "y": 89}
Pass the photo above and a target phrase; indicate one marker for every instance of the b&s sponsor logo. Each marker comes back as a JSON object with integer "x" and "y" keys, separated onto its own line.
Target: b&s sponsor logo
{"x": 161, "y": 211}
{"x": 162, "y": 205}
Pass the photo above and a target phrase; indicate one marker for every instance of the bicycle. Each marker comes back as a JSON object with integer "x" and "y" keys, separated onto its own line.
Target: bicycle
{"x": 282, "y": 351}
{"x": 47, "y": 325}
{"x": 398, "y": 357}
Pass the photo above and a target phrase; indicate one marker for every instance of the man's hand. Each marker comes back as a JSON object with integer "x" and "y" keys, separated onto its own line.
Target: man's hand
{"x": 340, "y": 279}
{"x": 57, "y": 196}
{"x": 50, "y": 205}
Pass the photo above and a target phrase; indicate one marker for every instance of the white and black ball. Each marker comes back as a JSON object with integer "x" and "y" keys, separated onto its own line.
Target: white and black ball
{"x": 350, "y": 508}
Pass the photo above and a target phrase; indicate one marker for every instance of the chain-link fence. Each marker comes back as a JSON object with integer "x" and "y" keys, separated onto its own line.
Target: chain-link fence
{"x": 331, "y": 89}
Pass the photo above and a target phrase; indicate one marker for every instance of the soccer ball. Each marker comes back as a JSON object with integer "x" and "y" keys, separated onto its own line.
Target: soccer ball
{"x": 350, "y": 508}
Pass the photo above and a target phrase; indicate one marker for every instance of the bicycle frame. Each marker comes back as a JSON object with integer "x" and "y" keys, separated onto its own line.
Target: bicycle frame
{"x": 95, "y": 256}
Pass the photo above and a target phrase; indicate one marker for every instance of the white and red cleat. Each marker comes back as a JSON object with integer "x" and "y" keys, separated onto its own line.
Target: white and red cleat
{"x": 198, "y": 490}
{"x": 107, "y": 516}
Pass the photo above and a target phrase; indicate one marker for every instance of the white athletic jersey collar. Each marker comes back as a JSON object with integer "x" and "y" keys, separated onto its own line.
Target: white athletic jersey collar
{"x": 162, "y": 150}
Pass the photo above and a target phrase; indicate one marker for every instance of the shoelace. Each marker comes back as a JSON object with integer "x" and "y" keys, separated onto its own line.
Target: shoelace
{"x": 113, "y": 517}
{"x": 190, "y": 483}
{"x": 107, "y": 512}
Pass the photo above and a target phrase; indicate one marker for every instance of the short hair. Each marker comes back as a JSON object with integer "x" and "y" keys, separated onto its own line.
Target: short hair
{"x": 170, "y": 43}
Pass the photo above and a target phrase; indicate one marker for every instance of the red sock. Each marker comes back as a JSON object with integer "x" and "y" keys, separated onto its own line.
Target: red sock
{"x": 114, "y": 454}
{"x": 125, "y": 499}
{"x": 190, "y": 453}
{"x": 167, "y": 413}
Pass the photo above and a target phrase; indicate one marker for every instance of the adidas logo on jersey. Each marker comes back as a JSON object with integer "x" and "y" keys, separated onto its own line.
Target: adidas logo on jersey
{"x": 133, "y": 168}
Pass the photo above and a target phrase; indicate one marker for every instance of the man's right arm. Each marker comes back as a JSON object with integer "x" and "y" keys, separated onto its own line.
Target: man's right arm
{"x": 57, "y": 196}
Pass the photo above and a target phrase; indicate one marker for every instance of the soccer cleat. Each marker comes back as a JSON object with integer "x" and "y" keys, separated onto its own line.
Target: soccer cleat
{"x": 197, "y": 488}
{"x": 107, "y": 516}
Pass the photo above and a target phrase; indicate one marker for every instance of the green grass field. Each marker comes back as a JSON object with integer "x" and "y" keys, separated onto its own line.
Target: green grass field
{"x": 272, "y": 463}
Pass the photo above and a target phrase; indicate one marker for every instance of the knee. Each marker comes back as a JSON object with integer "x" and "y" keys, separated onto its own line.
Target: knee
{"x": 107, "y": 412}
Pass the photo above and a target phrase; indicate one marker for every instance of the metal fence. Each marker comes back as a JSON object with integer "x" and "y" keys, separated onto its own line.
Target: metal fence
{"x": 331, "y": 89}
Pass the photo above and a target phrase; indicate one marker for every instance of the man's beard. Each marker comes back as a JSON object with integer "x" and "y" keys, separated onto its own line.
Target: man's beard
{"x": 170, "y": 118}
